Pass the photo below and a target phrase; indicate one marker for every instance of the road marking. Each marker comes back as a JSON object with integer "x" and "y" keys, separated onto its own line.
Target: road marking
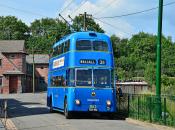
{"x": 34, "y": 106}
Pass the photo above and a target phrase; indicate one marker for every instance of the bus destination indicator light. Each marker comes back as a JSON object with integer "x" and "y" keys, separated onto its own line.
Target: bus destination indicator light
{"x": 88, "y": 61}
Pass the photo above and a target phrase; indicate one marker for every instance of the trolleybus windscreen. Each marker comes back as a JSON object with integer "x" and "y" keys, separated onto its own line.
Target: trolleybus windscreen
{"x": 84, "y": 77}
{"x": 101, "y": 78}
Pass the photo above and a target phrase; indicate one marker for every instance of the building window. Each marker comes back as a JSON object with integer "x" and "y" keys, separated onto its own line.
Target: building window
{"x": 12, "y": 56}
{"x": 41, "y": 80}
{"x": 0, "y": 81}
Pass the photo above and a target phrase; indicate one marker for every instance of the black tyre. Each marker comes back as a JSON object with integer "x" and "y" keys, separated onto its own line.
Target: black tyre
{"x": 112, "y": 115}
{"x": 67, "y": 114}
{"x": 51, "y": 107}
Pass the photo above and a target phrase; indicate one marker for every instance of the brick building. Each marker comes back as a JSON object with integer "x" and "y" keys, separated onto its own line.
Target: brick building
{"x": 41, "y": 62}
{"x": 12, "y": 66}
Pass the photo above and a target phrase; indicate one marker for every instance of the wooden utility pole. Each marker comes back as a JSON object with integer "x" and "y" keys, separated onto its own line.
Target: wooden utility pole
{"x": 85, "y": 16}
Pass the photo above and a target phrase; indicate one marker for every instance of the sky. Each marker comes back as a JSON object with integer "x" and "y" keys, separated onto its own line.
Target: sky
{"x": 124, "y": 27}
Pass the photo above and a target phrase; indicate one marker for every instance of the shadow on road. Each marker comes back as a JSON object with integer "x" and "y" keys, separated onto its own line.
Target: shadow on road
{"x": 78, "y": 115}
{"x": 17, "y": 108}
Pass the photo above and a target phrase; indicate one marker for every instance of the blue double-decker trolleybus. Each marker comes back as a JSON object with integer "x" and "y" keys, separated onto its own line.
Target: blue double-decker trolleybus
{"x": 81, "y": 74}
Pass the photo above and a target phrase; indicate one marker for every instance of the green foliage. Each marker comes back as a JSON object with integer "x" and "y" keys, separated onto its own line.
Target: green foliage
{"x": 45, "y": 32}
{"x": 42, "y": 33}
{"x": 168, "y": 85}
{"x": 136, "y": 57}
{"x": 150, "y": 73}
{"x": 143, "y": 107}
{"x": 120, "y": 46}
{"x": 12, "y": 28}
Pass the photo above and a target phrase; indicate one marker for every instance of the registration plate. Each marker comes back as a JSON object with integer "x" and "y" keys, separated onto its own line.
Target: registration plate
{"x": 92, "y": 108}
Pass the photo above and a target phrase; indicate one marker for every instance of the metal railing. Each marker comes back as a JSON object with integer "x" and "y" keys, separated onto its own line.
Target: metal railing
{"x": 143, "y": 107}
{"x": 3, "y": 111}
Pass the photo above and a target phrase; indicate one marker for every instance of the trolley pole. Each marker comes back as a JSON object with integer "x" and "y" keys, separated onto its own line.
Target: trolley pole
{"x": 158, "y": 64}
{"x": 85, "y": 16}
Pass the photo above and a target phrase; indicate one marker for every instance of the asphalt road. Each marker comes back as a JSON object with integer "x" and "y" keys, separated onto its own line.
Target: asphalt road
{"x": 29, "y": 112}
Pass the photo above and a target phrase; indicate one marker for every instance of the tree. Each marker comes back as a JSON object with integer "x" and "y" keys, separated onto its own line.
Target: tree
{"x": 78, "y": 24}
{"x": 45, "y": 32}
{"x": 115, "y": 41}
{"x": 136, "y": 57}
{"x": 12, "y": 29}
{"x": 150, "y": 73}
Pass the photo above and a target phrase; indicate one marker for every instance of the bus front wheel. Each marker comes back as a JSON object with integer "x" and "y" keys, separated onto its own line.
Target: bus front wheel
{"x": 51, "y": 107}
{"x": 66, "y": 112}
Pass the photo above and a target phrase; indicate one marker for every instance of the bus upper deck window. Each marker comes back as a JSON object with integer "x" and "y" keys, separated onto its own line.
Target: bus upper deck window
{"x": 100, "y": 46}
{"x": 83, "y": 45}
{"x": 59, "y": 50}
{"x": 55, "y": 51}
{"x": 66, "y": 46}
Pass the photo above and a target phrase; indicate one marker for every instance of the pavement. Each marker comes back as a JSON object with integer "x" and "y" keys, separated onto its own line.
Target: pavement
{"x": 29, "y": 112}
{"x": 1, "y": 126}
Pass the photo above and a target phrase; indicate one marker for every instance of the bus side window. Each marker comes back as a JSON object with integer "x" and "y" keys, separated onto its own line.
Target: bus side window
{"x": 55, "y": 51}
{"x": 66, "y": 46}
{"x": 63, "y": 81}
{"x": 56, "y": 81}
{"x": 62, "y": 48}
{"x": 59, "y": 50}
{"x": 52, "y": 81}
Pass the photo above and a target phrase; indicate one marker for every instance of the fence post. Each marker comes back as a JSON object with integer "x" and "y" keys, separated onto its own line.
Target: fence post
{"x": 150, "y": 109}
{"x": 118, "y": 103}
{"x": 164, "y": 111}
{"x": 138, "y": 106}
{"x": 5, "y": 112}
{"x": 128, "y": 104}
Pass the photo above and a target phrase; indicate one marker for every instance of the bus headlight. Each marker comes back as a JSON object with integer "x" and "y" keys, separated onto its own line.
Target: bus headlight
{"x": 108, "y": 103}
{"x": 77, "y": 102}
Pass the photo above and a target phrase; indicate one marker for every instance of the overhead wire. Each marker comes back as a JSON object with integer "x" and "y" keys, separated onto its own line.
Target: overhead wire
{"x": 81, "y": 4}
{"x": 138, "y": 12}
{"x": 113, "y": 26}
{"x": 134, "y": 13}
{"x": 105, "y": 7}
{"x": 66, "y": 6}
{"x": 99, "y": 19}
{"x": 23, "y": 11}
